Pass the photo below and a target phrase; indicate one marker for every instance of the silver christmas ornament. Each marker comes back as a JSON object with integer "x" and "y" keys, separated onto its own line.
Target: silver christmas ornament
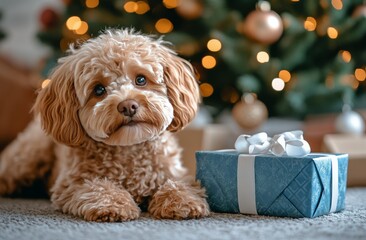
{"x": 350, "y": 122}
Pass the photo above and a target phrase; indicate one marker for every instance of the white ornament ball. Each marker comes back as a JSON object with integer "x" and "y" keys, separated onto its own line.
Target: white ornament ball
{"x": 350, "y": 122}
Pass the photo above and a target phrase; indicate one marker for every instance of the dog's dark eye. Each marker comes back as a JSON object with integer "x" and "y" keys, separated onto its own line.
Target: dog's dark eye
{"x": 140, "y": 80}
{"x": 99, "y": 90}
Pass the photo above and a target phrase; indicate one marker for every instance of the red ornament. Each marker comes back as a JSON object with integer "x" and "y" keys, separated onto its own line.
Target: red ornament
{"x": 49, "y": 18}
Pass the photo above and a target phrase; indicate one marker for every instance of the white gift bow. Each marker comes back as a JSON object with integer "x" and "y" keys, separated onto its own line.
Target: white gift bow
{"x": 288, "y": 143}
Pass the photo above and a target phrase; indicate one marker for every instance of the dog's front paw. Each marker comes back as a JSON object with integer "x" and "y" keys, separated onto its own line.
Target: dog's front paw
{"x": 176, "y": 201}
{"x": 112, "y": 213}
{"x": 96, "y": 200}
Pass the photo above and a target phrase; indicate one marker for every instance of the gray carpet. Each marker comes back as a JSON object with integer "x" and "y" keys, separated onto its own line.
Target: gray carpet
{"x": 35, "y": 219}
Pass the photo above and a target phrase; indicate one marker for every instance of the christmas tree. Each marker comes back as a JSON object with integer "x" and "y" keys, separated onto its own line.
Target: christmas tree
{"x": 298, "y": 57}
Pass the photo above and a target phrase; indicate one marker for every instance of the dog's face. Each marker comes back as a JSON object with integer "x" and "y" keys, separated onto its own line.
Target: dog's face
{"x": 120, "y": 88}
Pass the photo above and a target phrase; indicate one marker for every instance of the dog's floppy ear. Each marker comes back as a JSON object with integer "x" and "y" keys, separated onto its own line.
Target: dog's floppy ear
{"x": 57, "y": 105}
{"x": 183, "y": 89}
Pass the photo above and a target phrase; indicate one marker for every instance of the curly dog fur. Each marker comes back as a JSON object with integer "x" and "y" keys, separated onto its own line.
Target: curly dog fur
{"x": 103, "y": 136}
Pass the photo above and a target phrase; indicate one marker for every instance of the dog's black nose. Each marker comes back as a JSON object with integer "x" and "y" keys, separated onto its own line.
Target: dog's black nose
{"x": 128, "y": 107}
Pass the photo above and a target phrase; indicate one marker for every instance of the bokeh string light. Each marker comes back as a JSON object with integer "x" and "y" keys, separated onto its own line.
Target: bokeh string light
{"x": 337, "y": 4}
{"x": 332, "y": 32}
{"x": 360, "y": 74}
{"x": 91, "y": 3}
{"x": 278, "y": 84}
{"x": 345, "y": 55}
{"x": 310, "y": 24}
{"x": 142, "y": 7}
{"x": 206, "y": 89}
{"x": 171, "y": 3}
{"x": 73, "y": 23}
{"x": 78, "y": 29}
{"x": 262, "y": 57}
{"x": 214, "y": 45}
{"x": 284, "y": 75}
{"x": 130, "y": 7}
{"x": 164, "y": 25}
{"x": 76, "y": 25}
{"x": 208, "y": 62}
{"x": 82, "y": 29}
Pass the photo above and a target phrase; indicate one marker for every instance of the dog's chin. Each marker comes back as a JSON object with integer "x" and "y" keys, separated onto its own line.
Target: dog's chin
{"x": 131, "y": 134}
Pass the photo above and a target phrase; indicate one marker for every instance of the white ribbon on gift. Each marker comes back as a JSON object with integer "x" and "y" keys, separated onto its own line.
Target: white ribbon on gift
{"x": 288, "y": 143}
{"x": 335, "y": 183}
{"x": 246, "y": 184}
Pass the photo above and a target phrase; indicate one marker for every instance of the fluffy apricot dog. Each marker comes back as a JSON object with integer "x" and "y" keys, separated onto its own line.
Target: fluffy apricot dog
{"x": 102, "y": 137}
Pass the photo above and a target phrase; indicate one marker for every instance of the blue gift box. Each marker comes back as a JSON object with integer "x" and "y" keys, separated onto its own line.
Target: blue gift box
{"x": 283, "y": 186}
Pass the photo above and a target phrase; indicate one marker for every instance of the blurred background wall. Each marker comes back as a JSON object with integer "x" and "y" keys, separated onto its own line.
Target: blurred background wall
{"x": 21, "y": 56}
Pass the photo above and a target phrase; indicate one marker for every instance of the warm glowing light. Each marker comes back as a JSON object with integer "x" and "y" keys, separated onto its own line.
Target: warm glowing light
{"x": 310, "y": 24}
{"x": 234, "y": 97}
{"x": 262, "y": 57}
{"x": 329, "y": 81}
{"x": 346, "y": 56}
{"x": 73, "y": 23}
{"x": 337, "y": 4}
{"x": 295, "y": 0}
{"x": 164, "y": 25}
{"x": 324, "y": 4}
{"x": 142, "y": 7}
{"x": 350, "y": 80}
{"x": 64, "y": 44}
{"x": 82, "y": 29}
{"x": 214, "y": 45}
{"x": 45, "y": 83}
{"x": 360, "y": 74}
{"x": 130, "y": 7}
{"x": 206, "y": 89}
{"x": 284, "y": 75}
{"x": 92, "y": 3}
{"x": 332, "y": 32}
{"x": 208, "y": 62}
{"x": 278, "y": 84}
{"x": 171, "y": 3}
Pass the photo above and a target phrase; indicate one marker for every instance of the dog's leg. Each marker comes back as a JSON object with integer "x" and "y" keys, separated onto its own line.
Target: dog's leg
{"x": 29, "y": 157}
{"x": 179, "y": 200}
{"x": 94, "y": 200}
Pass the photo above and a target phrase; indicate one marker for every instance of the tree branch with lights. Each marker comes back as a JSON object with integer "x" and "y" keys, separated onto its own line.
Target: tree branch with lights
{"x": 297, "y": 57}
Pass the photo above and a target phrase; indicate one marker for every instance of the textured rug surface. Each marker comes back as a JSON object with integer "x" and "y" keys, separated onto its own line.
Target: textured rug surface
{"x": 30, "y": 219}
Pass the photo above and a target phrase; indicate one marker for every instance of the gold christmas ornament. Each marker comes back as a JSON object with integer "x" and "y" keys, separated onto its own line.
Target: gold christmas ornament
{"x": 263, "y": 25}
{"x": 250, "y": 113}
